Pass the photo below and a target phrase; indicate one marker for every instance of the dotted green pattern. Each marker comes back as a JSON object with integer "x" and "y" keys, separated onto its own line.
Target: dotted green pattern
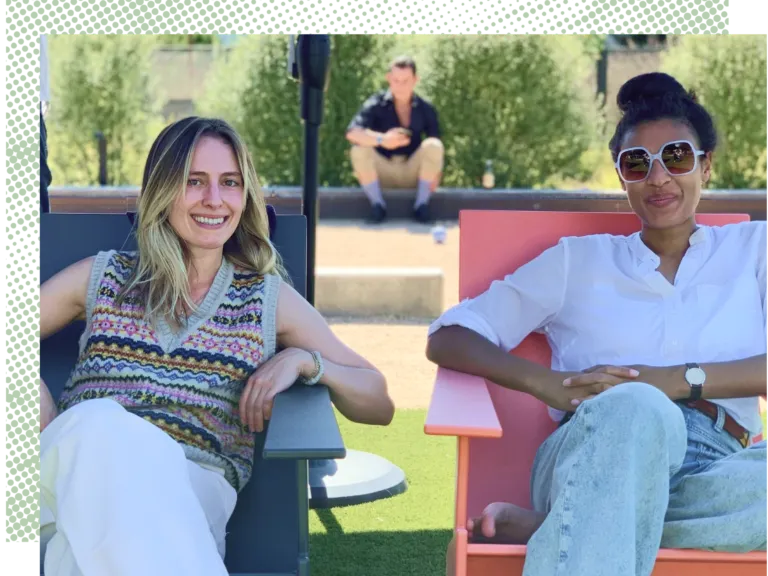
{"x": 27, "y": 18}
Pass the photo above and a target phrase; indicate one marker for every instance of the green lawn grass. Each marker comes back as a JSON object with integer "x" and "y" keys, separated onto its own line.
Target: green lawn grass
{"x": 406, "y": 534}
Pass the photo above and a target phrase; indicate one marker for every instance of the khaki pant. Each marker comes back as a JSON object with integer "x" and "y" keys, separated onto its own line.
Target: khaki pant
{"x": 399, "y": 172}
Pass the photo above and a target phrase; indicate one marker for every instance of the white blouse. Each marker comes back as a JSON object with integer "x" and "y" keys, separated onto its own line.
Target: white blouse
{"x": 600, "y": 300}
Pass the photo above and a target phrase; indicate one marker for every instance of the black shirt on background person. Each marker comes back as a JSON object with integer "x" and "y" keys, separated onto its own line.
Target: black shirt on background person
{"x": 378, "y": 114}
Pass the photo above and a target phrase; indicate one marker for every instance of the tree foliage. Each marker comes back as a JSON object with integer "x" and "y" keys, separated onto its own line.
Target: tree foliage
{"x": 100, "y": 84}
{"x": 521, "y": 101}
{"x": 729, "y": 78}
{"x": 250, "y": 87}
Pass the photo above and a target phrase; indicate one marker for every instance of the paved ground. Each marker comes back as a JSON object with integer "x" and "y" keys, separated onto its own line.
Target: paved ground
{"x": 395, "y": 347}
{"x": 396, "y": 245}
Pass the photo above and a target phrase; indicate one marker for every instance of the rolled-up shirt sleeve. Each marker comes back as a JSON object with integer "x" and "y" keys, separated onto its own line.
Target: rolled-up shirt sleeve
{"x": 523, "y": 302}
{"x": 365, "y": 116}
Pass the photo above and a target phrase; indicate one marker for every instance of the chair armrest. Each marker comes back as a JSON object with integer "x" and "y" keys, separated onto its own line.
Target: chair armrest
{"x": 303, "y": 426}
{"x": 461, "y": 405}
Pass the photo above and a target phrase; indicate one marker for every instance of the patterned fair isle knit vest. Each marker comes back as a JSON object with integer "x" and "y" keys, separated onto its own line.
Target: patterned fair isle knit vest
{"x": 188, "y": 382}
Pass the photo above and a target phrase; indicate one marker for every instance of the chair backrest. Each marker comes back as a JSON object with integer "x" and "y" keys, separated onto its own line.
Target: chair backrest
{"x": 492, "y": 245}
{"x": 263, "y": 531}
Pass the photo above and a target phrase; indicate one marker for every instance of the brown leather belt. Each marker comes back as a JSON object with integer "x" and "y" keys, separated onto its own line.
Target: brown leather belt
{"x": 731, "y": 426}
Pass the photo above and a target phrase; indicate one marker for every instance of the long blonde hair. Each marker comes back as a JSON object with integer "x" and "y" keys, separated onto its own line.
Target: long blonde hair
{"x": 160, "y": 277}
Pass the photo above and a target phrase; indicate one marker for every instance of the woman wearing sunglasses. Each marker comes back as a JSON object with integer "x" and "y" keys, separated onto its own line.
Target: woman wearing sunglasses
{"x": 658, "y": 361}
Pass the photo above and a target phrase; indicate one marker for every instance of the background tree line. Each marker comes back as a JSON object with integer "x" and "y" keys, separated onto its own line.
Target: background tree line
{"x": 526, "y": 102}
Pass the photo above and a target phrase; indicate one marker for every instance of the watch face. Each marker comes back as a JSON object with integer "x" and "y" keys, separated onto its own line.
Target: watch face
{"x": 695, "y": 376}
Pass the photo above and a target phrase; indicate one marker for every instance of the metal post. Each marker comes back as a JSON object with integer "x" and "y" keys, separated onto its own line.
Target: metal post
{"x": 360, "y": 477}
{"x": 313, "y": 52}
{"x": 311, "y": 204}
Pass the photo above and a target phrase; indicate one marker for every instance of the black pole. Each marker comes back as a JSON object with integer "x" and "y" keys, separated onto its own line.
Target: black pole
{"x": 311, "y": 203}
{"x": 313, "y": 52}
{"x": 312, "y": 55}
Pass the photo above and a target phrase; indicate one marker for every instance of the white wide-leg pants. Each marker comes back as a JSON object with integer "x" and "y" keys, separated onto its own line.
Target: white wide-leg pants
{"x": 118, "y": 497}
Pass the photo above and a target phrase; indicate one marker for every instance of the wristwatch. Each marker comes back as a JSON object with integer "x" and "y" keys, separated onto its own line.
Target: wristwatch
{"x": 695, "y": 376}
{"x": 379, "y": 140}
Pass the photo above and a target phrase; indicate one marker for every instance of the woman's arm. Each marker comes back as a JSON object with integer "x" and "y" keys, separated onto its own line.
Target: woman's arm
{"x": 744, "y": 378}
{"x": 357, "y": 388}
{"x": 62, "y": 300}
{"x": 464, "y": 350}
{"x": 62, "y": 297}
{"x": 48, "y": 410}
{"x": 476, "y": 335}
{"x": 736, "y": 379}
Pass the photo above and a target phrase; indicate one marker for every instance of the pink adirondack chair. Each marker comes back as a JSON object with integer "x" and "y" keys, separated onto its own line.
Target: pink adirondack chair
{"x": 499, "y": 430}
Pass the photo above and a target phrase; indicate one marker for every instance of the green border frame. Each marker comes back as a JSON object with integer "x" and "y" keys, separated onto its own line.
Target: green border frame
{"x": 26, "y": 18}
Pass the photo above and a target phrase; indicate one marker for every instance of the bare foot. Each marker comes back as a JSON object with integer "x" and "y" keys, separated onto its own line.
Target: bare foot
{"x": 504, "y": 523}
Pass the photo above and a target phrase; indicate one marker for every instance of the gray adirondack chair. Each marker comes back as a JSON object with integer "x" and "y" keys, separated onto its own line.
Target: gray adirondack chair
{"x": 268, "y": 534}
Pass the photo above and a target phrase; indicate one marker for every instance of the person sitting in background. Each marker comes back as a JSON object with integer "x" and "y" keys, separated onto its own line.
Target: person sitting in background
{"x": 187, "y": 343}
{"x": 658, "y": 360}
{"x": 387, "y": 146}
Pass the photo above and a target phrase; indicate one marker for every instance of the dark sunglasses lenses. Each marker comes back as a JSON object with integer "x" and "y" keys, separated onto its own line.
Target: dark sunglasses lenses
{"x": 678, "y": 157}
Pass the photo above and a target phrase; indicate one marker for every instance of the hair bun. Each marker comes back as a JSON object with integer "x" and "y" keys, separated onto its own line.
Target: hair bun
{"x": 648, "y": 87}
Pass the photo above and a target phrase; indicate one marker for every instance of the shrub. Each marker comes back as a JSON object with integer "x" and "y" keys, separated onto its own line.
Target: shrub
{"x": 728, "y": 75}
{"x": 184, "y": 39}
{"x": 525, "y": 102}
{"x": 358, "y": 65}
{"x": 100, "y": 84}
{"x": 250, "y": 87}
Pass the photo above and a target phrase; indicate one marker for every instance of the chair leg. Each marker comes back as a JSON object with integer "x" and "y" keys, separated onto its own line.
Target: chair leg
{"x": 303, "y": 482}
{"x": 460, "y": 521}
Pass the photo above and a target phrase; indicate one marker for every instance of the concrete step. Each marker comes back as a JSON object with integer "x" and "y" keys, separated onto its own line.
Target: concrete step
{"x": 375, "y": 292}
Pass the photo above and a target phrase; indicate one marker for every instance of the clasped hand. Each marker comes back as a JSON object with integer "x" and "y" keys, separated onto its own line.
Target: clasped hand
{"x": 274, "y": 376}
{"x": 395, "y": 138}
{"x": 566, "y": 390}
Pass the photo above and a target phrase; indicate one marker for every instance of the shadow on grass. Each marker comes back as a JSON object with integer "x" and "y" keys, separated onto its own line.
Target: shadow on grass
{"x": 419, "y": 552}
{"x": 328, "y": 520}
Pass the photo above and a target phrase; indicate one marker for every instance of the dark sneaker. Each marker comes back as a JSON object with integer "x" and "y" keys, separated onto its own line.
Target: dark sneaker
{"x": 421, "y": 214}
{"x": 378, "y": 214}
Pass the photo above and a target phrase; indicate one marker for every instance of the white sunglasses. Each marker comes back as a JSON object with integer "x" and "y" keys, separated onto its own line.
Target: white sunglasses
{"x": 679, "y": 157}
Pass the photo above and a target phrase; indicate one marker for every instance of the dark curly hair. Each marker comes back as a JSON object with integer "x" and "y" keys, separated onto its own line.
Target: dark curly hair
{"x": 658, "y": 96}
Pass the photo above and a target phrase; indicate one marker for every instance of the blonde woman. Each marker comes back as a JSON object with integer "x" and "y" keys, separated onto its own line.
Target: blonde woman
{"x": 142, "y": 460}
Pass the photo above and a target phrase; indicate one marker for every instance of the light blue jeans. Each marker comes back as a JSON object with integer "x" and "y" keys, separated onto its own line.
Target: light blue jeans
{"x": 633, "y": 471}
